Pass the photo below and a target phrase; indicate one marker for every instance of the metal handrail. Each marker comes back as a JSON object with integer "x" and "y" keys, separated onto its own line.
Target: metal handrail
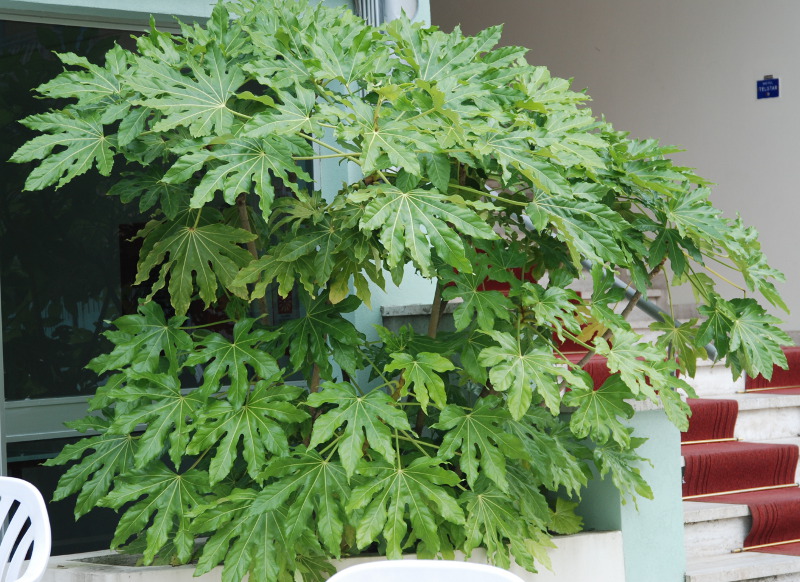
{"x": 648, "y": 307}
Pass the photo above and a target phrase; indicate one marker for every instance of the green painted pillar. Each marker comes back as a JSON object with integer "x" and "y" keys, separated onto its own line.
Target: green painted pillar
{"x": 652, "y": 530}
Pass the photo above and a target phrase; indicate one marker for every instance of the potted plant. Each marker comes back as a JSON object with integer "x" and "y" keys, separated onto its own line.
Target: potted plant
{"x": 289, "y": 442}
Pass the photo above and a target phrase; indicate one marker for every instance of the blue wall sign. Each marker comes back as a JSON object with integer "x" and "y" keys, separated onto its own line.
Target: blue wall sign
{"x": 767, "y": 88}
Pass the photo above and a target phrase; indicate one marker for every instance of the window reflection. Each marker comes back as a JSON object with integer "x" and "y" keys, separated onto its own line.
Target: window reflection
{"x": 59, "y": 250}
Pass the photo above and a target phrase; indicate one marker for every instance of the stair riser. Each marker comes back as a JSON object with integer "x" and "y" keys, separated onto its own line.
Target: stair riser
{"x": 719, "y": 536}
{"x": 768, "y": 423}
{"x": 714, "y": 381}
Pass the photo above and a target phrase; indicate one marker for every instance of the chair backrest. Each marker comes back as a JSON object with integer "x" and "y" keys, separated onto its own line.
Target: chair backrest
{"x": 423, "y": 571}
{"x": 26, "y": 532}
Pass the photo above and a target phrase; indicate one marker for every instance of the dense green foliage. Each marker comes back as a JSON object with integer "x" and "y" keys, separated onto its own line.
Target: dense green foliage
{"x": 475, "y": 167}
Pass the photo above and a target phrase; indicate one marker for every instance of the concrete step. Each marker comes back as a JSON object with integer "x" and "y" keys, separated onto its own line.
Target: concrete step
{"x": 765, "y": 417}
{"x": 713, "y": 380}
{"x": 714, "y": 528}
{"x": 746, "y": 566}
{"x": 712, "y": 532}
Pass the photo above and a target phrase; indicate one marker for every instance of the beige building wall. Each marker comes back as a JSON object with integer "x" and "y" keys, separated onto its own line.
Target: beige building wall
{"x": 683, "y": 71}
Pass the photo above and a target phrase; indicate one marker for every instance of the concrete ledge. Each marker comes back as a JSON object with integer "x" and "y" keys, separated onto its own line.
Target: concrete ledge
{"x": 595, "y": 556}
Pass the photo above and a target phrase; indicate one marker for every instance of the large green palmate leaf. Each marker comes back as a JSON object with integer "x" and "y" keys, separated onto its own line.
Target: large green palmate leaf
{"x": 693, "y": 215}
{"x": 193, "y": 252}
{"x": 421, "y": 372}
{"x": 642, "y": 366}
{"x": 437, "y": 56}
{"x": 410, "y": 222}
{"x": 265, "y": 270}
{"x": 564, "y": 519}
{"x": 624, "y": 465}
{"x": 492, "y": 522}
{"x": 409, "y": 494}
{"x": 295, "y": 111}
{"x": 245, "y": 536}
{"x": 197, "y": 101}
{"x": 347, "y": 54}
{"x": 163, "y": 512}
{"x": 221, "y": 30}
{"x": 520, "y": 371}
{"x": 385, "y": 140}
{"x": 554, "y": 307}
{"x": 485, "y": 306}
{"x": 755, "y": 339}
{"x": 745, "y": 250}
{"x": 591, "y": 230}
{"x": 527, "y": 495}
{"x": 683, "y": 340}
{"x": 320, "y": 248}
{"x": 514, "y": 152}
{"x": 599, "y": 411}
{"x": 93, "y": 83}
{"x": 478, "y": 436}
{"x": 72, "y": 143}
{"x": 309, "y": 485}
{"x": 260, "y": 423}
{"x": 531, "y": 547}
{"x": 249, "y": 164}
{"x": 474, "y": 342}
{"x": 233, "y": 360}
{"x": 151, "y": 190}
{"x": 367, "y": 416}
{"x": 320, "y": 332}
{"x": 141, "y": 340}
{"x": 170, "y": 415}
{"x": 108, "y": 456}
{"x": 555, "y": 456}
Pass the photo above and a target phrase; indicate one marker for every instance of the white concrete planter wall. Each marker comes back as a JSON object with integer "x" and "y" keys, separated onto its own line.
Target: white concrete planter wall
{"x": 588, "y": 556}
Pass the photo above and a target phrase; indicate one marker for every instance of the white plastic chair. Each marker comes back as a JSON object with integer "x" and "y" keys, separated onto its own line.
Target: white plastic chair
{"x": 423, "y": 571}
{"x": 26, "y": 531}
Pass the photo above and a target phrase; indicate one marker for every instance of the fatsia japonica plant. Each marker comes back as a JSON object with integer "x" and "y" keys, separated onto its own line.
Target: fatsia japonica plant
{"x": 285, "y": 443}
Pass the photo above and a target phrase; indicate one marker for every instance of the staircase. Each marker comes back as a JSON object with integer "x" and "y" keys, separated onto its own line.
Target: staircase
{"x": 714, "y": 530}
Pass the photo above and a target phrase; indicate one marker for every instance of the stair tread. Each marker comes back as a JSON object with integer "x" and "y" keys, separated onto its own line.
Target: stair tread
{"x": 743, "y": 566}
{"x": 758, "y": 400}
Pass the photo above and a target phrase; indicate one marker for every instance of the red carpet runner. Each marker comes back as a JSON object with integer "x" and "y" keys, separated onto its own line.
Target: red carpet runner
{"x": 783, "y": 381}
{"x": 725, "y": 465}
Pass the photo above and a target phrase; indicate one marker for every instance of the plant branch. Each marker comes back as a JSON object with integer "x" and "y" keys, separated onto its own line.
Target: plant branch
{"x": 625, "y": 312}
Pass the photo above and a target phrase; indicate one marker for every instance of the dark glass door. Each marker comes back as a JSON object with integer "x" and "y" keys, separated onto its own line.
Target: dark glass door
{"x": 63, "y": 265}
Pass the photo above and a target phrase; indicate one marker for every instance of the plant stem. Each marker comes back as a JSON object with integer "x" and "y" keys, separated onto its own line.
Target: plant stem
{"x": 416, "y": 443}
{"x": 495, "y": 196}
{"x": 325, "y": 157}
{"x": 433, "y": 328}
{"x": 436, "y": 307}
{"x": 239, "y": 115}
{"x": 315, "y": 378}
{"x": 330, "y": 445}
{"x": 352, "y": 156}
{"x": 386, "y": 381}
{"x": 244, "y": 222}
